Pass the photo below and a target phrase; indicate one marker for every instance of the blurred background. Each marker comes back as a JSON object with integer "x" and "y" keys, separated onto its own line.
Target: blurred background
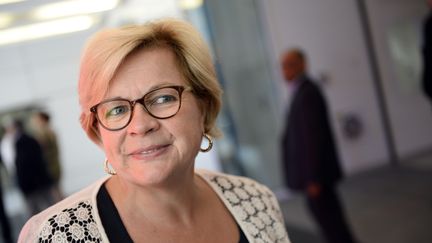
{"x": 366, "y": 55}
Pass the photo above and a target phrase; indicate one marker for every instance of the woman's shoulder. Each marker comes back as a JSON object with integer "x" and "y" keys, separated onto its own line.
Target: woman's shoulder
{"x": 227, "y": 182}
{"x": 72, "y": 218}
{"x": 253, "y": 205}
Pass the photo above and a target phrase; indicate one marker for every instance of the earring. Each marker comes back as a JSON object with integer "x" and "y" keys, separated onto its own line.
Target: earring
{"x": 107, "y": 169}
{"x": 210, "y": 143}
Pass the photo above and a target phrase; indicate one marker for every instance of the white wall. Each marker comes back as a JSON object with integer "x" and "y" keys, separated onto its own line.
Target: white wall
{"x": 330, "y": 33}
{"x": 409, "y": 111}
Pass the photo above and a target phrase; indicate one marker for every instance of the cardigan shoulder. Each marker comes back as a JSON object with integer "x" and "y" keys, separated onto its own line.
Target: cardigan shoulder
{"x": 252, "y": 204}
{"x": 74, "y": 219}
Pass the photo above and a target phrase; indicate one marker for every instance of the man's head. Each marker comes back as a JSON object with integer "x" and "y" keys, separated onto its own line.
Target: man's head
{"x": 293, "y": 64}
{"x": 40, "y": 119}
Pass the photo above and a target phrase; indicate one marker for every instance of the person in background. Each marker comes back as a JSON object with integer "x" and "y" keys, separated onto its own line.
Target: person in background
{"x": 31, "y": 172}
{"x": 48, "y": 141}
{"x": 7, "y": 146}
{"x": 149, "y": 96}
{"x": 310, "y": 160}
{"x": 427, "y": 53}
{"x": 4, "y": 220}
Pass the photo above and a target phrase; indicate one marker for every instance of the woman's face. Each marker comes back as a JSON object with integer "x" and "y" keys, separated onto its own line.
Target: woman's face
{"x": 151, "y": 151}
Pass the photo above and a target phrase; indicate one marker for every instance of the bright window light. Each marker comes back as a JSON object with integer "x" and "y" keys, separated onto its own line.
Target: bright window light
{"x": 46, "y": 29}
{"x": 190, "y": 4}
{"x": 10, "y": 1}
{"x": 5, "y": 20}
{"x": 75, "y": 7}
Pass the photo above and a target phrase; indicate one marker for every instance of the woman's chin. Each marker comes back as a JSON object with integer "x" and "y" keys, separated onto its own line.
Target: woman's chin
{"x": 148, "y": 175}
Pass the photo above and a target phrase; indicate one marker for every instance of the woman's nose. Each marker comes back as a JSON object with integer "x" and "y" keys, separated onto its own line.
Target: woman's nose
{"x": 142, "y": 122}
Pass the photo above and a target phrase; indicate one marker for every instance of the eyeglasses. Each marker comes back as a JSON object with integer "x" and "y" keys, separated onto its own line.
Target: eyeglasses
{"x": 161, "y": 103}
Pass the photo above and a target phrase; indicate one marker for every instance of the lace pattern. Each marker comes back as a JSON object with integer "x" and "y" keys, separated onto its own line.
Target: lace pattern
{"x": 75, "y": 224}
{"x": 253, "y": 205}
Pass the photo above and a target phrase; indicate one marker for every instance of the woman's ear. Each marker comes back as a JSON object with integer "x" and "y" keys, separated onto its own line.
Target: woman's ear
{"x": 95, "y": 129}
{"x": 204, "y": 119}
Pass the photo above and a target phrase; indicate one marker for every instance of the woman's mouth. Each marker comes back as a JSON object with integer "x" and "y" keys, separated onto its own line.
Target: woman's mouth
{"x": 149, "y": 152}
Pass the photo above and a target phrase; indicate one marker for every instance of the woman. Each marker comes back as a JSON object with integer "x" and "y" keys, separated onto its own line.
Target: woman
{"x": 149, "y": 95}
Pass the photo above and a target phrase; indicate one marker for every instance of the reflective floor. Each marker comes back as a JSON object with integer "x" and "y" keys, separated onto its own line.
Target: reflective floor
{"x": 385, "y": 205}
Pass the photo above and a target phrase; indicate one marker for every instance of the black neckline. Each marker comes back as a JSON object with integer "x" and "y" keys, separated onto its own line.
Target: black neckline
{"x": 110, "y": 217}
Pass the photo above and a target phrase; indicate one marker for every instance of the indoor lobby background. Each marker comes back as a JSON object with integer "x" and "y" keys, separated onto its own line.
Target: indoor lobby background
{"x": 365, "y": 54}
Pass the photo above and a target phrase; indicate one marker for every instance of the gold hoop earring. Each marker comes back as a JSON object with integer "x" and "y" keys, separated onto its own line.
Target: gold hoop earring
{"x": 107, "y": 169}
{"x": 210, "y": 144}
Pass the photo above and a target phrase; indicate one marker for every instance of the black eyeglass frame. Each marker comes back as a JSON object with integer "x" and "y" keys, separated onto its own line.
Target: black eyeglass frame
{"x": 180, "y": 89}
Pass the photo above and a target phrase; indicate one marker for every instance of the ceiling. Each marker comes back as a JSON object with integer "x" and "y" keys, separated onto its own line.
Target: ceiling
{"x": 26, "y": 20}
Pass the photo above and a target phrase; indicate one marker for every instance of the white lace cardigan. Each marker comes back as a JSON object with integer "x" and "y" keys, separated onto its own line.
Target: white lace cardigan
{"x": 76, "y": 219}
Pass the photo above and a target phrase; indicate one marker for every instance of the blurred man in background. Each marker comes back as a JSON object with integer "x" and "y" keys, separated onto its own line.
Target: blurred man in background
{"x": 308, "y": 150}
{"x": 427, "y": 53}
{"x": 31, "y": 172}
{"x": 6, "y": 149}
{"x": 47, "y": 138}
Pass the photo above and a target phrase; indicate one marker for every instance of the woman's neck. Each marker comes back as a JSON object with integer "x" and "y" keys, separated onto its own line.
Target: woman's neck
{"x": 175, "y": 201}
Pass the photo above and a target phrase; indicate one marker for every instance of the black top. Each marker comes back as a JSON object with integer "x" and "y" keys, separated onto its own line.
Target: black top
{"x": 32, "y": 173}
{"x": 111, "y": 221}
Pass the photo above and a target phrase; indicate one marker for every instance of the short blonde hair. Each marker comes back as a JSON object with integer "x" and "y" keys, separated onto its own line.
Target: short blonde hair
{"x": 107, "y": 50}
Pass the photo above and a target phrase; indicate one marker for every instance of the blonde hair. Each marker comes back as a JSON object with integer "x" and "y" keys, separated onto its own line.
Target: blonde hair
{"x": 107, "y": 50}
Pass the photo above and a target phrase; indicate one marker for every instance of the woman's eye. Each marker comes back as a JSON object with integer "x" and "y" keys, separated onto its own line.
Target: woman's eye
{"x": 163, "y": 99}
{"x": 116, "y": 111}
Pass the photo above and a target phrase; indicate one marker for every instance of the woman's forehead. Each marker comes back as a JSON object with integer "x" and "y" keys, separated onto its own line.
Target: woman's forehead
{"x": 145, "y": 70}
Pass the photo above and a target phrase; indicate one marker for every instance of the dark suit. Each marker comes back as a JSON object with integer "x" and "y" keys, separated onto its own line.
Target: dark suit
{"x": 32, "y": 173}
{"x": 309, "y": 156}
{"x": 427, "y": 56}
